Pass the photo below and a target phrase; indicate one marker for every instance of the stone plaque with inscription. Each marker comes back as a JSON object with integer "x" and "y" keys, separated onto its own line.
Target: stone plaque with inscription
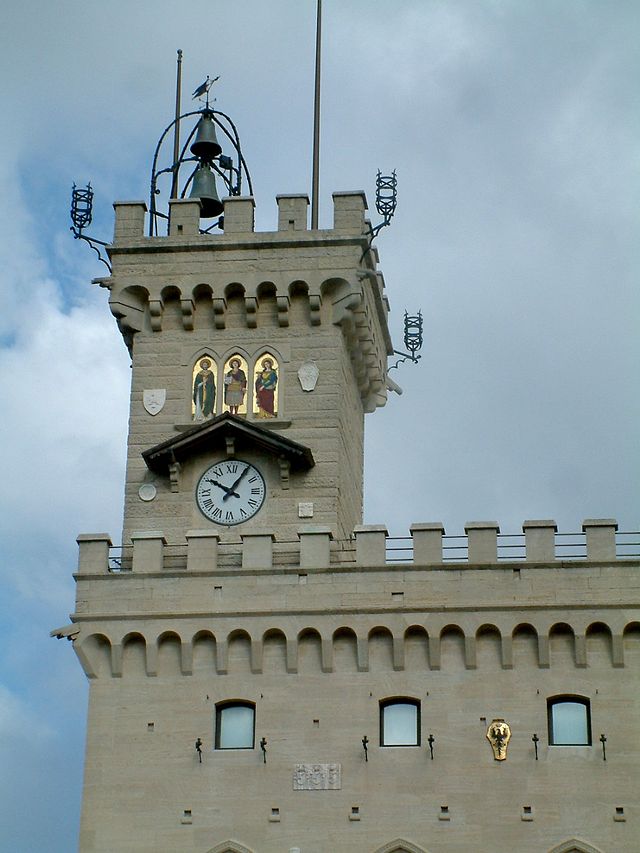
{"x": 317, "y": 777}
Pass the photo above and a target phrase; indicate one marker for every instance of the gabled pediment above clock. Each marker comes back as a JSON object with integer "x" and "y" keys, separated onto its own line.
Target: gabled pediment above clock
{"x": 230, "y": 434}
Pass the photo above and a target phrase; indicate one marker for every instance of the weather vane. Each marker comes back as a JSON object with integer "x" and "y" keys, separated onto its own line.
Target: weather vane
{"x": 201, "y": 149}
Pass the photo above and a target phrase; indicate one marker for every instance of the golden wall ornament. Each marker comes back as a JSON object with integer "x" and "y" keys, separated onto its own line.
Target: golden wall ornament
{"x": 499, "y": 735}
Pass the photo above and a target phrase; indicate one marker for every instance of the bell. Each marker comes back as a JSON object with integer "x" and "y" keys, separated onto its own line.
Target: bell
{"x": 204, "y": 188}
{"x": 205, "y": 146}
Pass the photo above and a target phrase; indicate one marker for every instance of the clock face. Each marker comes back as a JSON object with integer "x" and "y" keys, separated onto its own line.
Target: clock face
{"x": 230, "y": 492}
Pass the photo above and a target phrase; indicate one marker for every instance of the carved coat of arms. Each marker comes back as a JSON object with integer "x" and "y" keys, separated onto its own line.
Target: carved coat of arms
{"x": 154, "y": 399}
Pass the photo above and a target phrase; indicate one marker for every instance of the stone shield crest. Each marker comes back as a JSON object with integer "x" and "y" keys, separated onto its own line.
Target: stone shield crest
{"x": 154, "y": 399}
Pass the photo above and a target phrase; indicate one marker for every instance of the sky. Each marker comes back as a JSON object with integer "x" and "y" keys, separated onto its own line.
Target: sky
{"x": 513, "y": 127}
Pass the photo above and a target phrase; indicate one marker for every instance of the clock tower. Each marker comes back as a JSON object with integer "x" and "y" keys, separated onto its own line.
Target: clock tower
{"x": 255, "y": 357}
{"x": 263, "y": 679}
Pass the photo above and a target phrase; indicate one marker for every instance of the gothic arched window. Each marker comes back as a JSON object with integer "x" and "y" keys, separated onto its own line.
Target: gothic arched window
{"x": 266, "y": 375}
{"x": 203, "y": 387}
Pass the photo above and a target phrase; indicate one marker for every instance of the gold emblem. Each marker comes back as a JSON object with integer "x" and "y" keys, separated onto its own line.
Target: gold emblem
{"x": 499, "y": 735}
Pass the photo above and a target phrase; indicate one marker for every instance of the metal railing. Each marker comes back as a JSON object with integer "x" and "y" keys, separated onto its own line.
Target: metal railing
{"x": 511, "y": 547}
{"x": 399, "y": 549}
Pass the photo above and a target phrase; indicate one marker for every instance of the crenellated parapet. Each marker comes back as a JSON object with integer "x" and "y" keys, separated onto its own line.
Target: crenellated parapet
{"x": 263, "y": 593}
{"x": 369, "y": 548}
{"x": 240, "y": 278}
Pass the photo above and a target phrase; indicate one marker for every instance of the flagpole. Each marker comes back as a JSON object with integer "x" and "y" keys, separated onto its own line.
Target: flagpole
{"x": 176, "y": 129}
{"x": 316, "y": 125}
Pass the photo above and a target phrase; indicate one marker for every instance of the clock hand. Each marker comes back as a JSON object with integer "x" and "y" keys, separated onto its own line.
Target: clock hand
{"x": 235, "y": 485}
{"x": 229, "y": 491}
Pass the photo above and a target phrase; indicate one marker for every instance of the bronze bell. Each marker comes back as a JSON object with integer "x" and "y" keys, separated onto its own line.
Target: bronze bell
{"x": 204, "y": 188}
{"x": 205, "y": 146}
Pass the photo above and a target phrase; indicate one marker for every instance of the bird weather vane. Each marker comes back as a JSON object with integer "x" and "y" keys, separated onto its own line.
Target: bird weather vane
{"x": 201, "y": 151}
{"x": 203, "y": 89}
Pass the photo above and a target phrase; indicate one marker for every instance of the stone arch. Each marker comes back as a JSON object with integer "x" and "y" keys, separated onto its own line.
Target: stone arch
{"x": 524, "y": 638}
{"x": 575, "y": 845}
{"x": 171, "y": 308}
{"x": 274, "y": 651}
{"x": 267, "y": 307}
{"x": 416, "y": 648}
{"x": 400, "y": 845}
{"x": 239, "y": 651}
{"x": 236, "y": 313}
{"x": 97, "y": 649}
{"x": 204, "y": 644}
{"x": 631, "y": 643}
{"x": 134, "y": 654}
{"x": 345, "y": 650}
{"x": 489, "y": 647}
{"x": 562, "y": 643}
{"x": 339, "y": 299}
{"x": 599, "y": 644}
{"x": 380, "y": 642}
{"x": 230, "y": 847}
{"x": 169, "y": 645}
{"x": 452, "y": 647}
{"x": 131, "y": 310}
{"x": 299, "y": 313}
{"x": 309, "y": 650}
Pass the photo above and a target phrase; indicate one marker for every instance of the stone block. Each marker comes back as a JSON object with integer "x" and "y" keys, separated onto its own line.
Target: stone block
{"x": 483, "y": 542}
{"x": 371, "y": 543}
{"x": 427, "y": 542}
{"x": 314, "y": 546}
{"x": 202, "y": 550}
{"x": 601, "y": 538}
{"x": 292, "y": 212}
{"x": 148, "y": 550}
{"x": 184, "y": 217}
{"x": 129, "y": 219}
{"x": 257, "y": 550}
{"x": 348, "y": 212}
{"x": 239, "y": 214}
{"x": 93, "y": 552}
{"x": 539, "y": 537}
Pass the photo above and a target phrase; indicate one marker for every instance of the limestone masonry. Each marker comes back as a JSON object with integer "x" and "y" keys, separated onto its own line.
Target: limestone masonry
{"x": 343, "y": 701}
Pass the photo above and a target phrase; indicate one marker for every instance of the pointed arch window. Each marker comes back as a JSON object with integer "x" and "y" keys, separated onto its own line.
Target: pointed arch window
{"x": 235, "y": 385}
{"x": 203, "y": 386}
{"x": 266, "y": 391}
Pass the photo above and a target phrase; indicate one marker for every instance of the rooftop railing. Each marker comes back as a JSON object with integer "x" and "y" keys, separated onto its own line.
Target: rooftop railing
{"x": 370, "y": 546}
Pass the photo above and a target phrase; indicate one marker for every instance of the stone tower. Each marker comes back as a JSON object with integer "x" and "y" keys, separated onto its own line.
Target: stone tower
{"x": 309, "y": 304}
{"x": 262, "y": 678}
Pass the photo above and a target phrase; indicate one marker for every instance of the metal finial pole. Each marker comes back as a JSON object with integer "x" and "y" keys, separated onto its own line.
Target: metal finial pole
{"x": 176, "y": 130}
{"x": 316, "y": 125}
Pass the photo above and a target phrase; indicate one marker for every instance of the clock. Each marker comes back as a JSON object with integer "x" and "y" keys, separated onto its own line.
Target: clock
{"x": 230, "y": 492}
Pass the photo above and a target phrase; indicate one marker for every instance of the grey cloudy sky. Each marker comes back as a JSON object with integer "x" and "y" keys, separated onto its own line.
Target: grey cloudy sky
{"x": 514, "y": 129}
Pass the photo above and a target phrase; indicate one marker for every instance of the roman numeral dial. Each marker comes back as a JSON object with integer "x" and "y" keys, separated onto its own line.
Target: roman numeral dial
{"x": 230, "y": 492}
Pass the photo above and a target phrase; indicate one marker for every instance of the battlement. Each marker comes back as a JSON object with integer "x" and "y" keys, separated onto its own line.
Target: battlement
{"x": 238, "y": 218}
{"x": 370, "y": 547}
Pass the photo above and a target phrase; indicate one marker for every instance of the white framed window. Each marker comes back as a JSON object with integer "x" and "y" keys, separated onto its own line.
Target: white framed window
{"x": 400, "y": 722}
{"x": 569, "y": 720}
{"x": 235, "y": 725}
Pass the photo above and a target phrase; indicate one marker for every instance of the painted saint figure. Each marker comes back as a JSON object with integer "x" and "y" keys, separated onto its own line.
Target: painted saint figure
{"x": 266, "y": 381}
{"x": 204, "y": 392}
{"x": 235, "y": 386}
